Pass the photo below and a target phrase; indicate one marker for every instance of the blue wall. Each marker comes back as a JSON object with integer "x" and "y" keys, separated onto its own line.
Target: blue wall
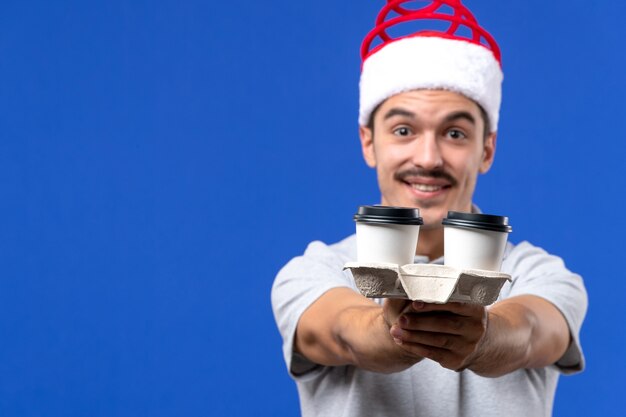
{"x": 160, "y": 161}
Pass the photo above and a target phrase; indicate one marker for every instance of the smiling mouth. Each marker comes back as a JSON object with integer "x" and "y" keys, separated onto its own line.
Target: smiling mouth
{"x": 426, "y": 184}
{"x": 428, "y": 188}
{"x": 427, "y": 191}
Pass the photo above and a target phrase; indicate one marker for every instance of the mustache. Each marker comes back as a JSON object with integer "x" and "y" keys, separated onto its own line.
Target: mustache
{"x": 421, "y": 172}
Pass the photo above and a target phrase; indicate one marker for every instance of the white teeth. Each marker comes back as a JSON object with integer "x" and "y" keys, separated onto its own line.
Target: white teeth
{"x": 426, "y": 188}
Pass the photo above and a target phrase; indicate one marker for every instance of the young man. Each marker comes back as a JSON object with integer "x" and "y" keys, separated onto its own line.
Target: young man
{"x": 428, "y": 121}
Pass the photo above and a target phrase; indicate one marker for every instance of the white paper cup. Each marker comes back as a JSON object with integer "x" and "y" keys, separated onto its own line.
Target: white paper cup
{"x": 387, "y": 234}
{"x": 475, "y": 241}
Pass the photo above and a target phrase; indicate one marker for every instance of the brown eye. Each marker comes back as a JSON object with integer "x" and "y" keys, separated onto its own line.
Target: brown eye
{"x": 402, "y": 131}
{"x": 456, "y": 134}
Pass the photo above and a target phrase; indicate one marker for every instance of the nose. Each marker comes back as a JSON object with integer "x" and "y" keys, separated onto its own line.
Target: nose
{"x": 427, "y": 152}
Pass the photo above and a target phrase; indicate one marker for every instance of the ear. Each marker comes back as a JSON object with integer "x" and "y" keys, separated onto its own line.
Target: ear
{"x": 489, "y": 152}
{"x": 367, "y": 146}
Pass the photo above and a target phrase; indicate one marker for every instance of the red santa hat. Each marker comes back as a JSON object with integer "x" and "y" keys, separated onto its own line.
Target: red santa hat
{"x": 464, "y": 58}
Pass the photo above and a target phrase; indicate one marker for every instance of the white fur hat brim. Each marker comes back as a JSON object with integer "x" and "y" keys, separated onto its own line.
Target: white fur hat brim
{"x": 432, "y": 63}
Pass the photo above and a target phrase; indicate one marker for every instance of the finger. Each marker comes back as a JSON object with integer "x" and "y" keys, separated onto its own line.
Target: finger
{"x": 441, "y": 323}
{"x": 397, "y": 306}
{"x": 437, "y": 340}
{"x": 462, "y": 309}
{"x": 444, "y": 357}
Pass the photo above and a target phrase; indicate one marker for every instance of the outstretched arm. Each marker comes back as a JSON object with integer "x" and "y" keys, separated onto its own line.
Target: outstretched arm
{"x": 521, "y": 332}
{"x": 345, "y": 328}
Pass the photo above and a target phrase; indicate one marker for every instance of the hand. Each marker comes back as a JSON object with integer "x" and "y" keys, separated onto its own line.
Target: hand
{"x": 450, "y": 334}
{"x": 394, "y": 308}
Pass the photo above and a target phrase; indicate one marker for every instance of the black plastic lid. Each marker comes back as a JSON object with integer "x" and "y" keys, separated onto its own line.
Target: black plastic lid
{"x": 388, "y": 215}
{"x": 478, "y": 221}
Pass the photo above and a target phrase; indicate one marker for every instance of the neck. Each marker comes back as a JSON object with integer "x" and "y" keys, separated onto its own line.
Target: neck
{"x": 430, "y": 243}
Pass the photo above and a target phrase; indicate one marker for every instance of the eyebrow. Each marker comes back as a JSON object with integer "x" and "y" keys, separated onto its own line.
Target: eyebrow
{"x": 460, "y": 115}
{"x": 398, "y": 112}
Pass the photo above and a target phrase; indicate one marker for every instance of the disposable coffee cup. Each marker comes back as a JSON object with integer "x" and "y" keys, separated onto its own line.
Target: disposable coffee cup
{"x": 387, "y": 234}
{"x": 475, "y": 241}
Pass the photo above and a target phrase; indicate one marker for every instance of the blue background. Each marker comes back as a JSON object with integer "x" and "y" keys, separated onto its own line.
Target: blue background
{"x": 160, "y": 161}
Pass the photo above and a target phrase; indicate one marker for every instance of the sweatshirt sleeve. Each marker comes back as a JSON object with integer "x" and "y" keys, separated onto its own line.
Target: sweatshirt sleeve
{"x": 536, "y": 272}
{"x": 298, "y": 285}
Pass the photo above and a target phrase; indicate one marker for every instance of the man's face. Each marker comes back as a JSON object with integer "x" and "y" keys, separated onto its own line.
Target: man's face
{"x": 428, "y": 147}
